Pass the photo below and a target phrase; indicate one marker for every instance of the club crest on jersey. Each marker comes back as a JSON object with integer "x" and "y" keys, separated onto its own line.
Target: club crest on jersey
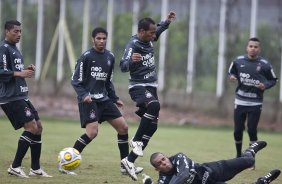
{"x": 27, "y": 112}
{"x": 92, "y": 114}
{"x": 258, "y": 68}
{"x": 148, "y": 94}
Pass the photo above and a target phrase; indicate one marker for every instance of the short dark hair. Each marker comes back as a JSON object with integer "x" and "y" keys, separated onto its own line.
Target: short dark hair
{"x": 254, "y": 39}
{"x": 11, "y": 23}
{"x": 145, "y": 23}
{"x": 99, "y": 30}
{"x": 153, "y": 157}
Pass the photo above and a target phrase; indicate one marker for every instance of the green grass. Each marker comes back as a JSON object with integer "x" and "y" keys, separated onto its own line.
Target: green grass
{"x": 101, "y": 162}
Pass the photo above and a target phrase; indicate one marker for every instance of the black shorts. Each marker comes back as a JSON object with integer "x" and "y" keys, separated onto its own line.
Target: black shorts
{"x": 20, "y": 112}
{"x": 143, "y": 95}
{"x": 241, "y": 113}
{"x": 97, "y": 111}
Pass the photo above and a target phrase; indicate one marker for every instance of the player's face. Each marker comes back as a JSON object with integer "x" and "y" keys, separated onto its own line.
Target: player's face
{"x": 150, "y": 34}
{"x": 253, "y": 49}
{"x": 163, "y": 164}
{"x": 14, "y": 35}
{"x": 100, "y": 41}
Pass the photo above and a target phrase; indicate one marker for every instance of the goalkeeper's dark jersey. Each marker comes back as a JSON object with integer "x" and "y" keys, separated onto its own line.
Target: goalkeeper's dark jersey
{"x": 250, "y": 73}
{"x": 144, "y": 72}
{"x": 11, "y": 60}
{"x": 185, "y": 171}
{"x": 93, "y": 74}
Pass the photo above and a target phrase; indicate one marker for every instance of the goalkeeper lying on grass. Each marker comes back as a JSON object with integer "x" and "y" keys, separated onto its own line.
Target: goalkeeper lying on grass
{"x": 179, "y": 169}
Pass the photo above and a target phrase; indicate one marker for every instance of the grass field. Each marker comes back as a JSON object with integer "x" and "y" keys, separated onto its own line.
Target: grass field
{"x": 101, "y": 162}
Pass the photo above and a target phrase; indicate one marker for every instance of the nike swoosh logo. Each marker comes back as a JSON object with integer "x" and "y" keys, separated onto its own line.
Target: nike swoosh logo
{"x": 37, "y": 173}
{"x": 128, "y": 166}
{"x": 18, "y": 172}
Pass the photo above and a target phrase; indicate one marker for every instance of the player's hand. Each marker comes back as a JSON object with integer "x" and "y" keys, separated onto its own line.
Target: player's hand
{"x": 87, "y": 99}
{"x": 261, "y": 86}
{"x": 147, "y": 179}
{"x": 232, "y": 78}
{"x": 171, "y": 16}
{"x": 31, "y": 67}
{"x": 136, "y": 57}
{"x": 24, "y": 74}
{"x": 119, "y": 103}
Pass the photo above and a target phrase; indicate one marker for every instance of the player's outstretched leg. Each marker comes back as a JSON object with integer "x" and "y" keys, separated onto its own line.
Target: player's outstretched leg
{"x": 255, "y": 147}
{"x": 272, "y": 175}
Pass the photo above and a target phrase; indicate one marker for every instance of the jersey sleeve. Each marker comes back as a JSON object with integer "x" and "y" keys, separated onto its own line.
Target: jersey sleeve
{"x": 110, "y": 86}
{"x": 163, "y": 179}
{"x": 6, "y": 74}
{"x": 185, "y": 170}
{"x": 78, "y": 77}
{"x": 126, "y": 60}
{"x": 271, "y": 78}
{"x": 161, "y": 27}
{"x": 232, "y": 69}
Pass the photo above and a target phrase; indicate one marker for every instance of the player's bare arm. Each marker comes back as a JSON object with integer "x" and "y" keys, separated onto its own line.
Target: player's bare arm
{"x": 24, "y": 74}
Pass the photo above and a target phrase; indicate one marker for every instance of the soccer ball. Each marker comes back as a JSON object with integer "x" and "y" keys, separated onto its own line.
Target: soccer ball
{"x": 69, "y": 158}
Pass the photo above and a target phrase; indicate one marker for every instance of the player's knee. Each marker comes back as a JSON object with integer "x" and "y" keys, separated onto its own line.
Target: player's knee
{"x": 39, "y": 127}
{"x": 250, "y": 161}
{"x": 154, "y": 107}
{"x": 33, "y": 127}
{"x": 141, "y": 111}
{"x": 91, "y": 131}
{"x": 120, "y": 125}
{"x": 39, "y": 130}
{"x": 123, "y": 129}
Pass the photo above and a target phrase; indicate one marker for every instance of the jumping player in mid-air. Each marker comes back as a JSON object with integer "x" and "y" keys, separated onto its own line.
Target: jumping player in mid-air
{"x": 138, "y": 60}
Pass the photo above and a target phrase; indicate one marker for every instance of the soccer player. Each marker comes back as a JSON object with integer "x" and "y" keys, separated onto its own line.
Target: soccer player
{"x": 138, "y": 60}
{"x": 254, "y": 75}
{"x": 97, "y": 100}
{"x": 266, "y": 179}
{"x": 179, "y": 169}
{"x": 15, "y": 103}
